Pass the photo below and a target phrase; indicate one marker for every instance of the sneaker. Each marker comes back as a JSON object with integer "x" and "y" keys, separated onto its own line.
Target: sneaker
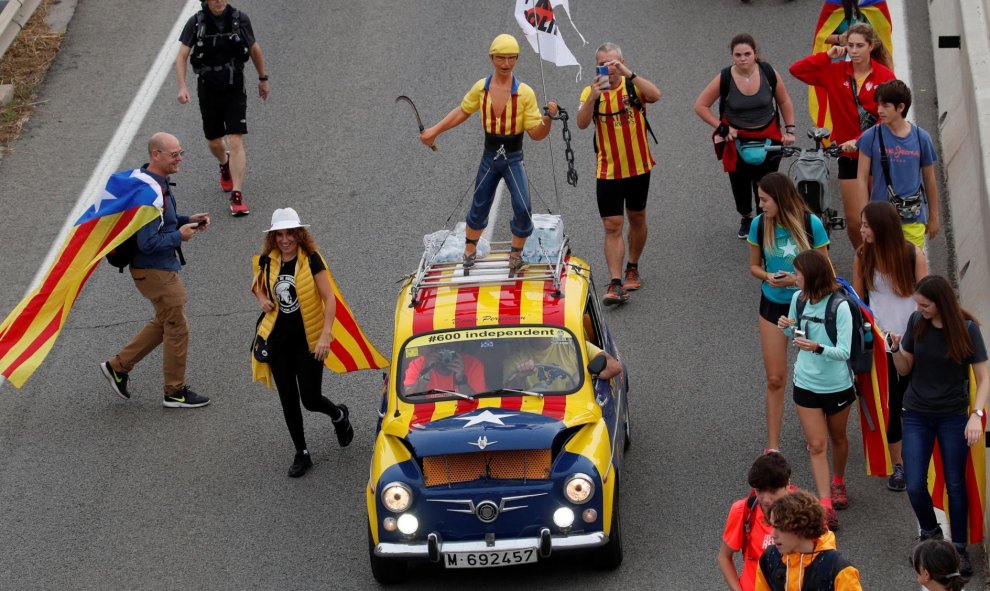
{"x": 744, "y": 225}
{"x": 935, "y": 534}
{"x": 896, "y": 480}
{"x": 965, "y": 566}
{"x": 832, "y": 518}
{"x": 237, "y": 206}
{"x": 226, "y": 182}
{"x": 300, "y": 464}
{"x": 117, "y": 379}
{"x": 632, "y": 279}
{"x": 770, "y": 450}
{"x": 615, "y": 295}
{"x": 342, "y": 426}
{"x": 185, "y": 398}
{"x": 840, "y": 498}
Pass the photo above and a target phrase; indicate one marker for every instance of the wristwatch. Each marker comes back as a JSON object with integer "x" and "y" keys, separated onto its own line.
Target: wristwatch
{"x": 820, "y": 349}
{"x": 979, "y": 413}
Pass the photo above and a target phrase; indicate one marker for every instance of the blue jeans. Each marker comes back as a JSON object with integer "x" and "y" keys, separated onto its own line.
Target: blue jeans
{"x": 510, "y": 167}
{"x": 920, "y": 433}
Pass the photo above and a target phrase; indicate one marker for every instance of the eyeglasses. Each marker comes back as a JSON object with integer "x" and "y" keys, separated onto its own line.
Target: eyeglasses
{"x": 175, "y": 154}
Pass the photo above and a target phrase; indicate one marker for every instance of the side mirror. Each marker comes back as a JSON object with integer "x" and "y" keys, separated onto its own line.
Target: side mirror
{"x": 597, "y": 365}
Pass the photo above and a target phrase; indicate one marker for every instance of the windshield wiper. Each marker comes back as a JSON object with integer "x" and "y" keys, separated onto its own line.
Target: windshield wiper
{"x": 440, "y": 391}
{"x": 511, "y": 391}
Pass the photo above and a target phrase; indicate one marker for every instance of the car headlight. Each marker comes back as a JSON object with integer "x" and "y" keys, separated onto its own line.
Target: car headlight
{"x": 579, "y": 488}
{"x": 397, "y": 497}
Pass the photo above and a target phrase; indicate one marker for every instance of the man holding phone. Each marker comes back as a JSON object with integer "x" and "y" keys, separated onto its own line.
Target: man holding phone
{"x": 615, "y": 102}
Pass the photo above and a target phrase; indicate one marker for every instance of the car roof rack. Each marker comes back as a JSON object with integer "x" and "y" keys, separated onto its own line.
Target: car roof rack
{"x": 491, "y": 270}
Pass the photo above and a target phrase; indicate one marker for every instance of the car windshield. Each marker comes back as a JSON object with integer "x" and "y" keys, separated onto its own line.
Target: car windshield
{"x": 494, "y": 361}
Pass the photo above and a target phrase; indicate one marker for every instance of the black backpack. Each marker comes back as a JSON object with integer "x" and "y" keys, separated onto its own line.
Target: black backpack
{"x": 236, "y": 34}
{"x": 819, "y": 576}
{"x": 123, "y": 254}
{"x": 861, "y": 347}
{"x": 634, "y": 102}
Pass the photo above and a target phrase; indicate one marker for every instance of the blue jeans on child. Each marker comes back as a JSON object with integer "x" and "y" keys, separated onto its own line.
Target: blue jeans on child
{"x": 920, "y": 433}
{"x": 494, "y": 167}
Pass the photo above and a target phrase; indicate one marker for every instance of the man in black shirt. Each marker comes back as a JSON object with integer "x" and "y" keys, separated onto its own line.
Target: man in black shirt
{"x": 217, "y": 41}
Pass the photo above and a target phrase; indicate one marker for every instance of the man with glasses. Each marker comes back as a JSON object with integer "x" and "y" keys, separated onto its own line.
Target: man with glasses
{"x": 155, "y": 270}
{"x": 217, "y": 41}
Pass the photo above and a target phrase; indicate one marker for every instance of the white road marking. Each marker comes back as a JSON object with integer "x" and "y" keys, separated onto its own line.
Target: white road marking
{"x": 120, "y": 143}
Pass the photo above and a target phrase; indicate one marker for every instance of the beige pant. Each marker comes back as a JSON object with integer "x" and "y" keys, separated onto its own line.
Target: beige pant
{"x": 168, "y": 296}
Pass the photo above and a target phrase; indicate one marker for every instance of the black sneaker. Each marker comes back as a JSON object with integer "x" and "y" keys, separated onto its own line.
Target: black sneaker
{"x": 965, "y": 566}
{"x": 300, "y": 464}
{"x": 744, "y": 226}
{"x": 896, "y": 481}
{"x": 117, "y": 379}
{"x": 935, "y": 534}
{"x": 185, "y": 398}
{"x": 342, "y": 426}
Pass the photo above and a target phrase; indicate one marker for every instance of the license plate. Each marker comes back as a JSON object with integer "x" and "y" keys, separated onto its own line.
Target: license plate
{"x": 486, "y": 559}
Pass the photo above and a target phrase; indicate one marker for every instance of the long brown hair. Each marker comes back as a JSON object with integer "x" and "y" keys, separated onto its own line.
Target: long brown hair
{"x": 306, "y": 241}
{"x": 819, "y": 277}
{"x": 938, "y": 290}
{"x": 879, "y": 51}
{"x": 890, "y": 252}
{"x": 791, "y": 210}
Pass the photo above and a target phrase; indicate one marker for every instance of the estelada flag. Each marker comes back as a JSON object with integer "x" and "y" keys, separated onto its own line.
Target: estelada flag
{"x": 541, "y": 28}
{"x": 350, "y": 349}
{"x": 130, "y": 200}
{"x": 830, "y": 19}
{"x": 874, "y": 415}
{"x": 976, "y": 478}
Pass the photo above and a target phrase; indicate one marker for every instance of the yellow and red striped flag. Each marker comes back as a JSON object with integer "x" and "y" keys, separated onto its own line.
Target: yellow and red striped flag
{"x": 130, "y": 200}
{"x": 829, "y": 20}
{"x": 874, "y": 414}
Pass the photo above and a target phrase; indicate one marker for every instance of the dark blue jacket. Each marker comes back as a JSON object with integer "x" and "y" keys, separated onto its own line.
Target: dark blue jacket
{"x": 159, "y": 240}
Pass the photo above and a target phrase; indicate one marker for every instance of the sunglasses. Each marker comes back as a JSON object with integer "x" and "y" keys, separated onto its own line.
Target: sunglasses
{"x": 175, "y": 154}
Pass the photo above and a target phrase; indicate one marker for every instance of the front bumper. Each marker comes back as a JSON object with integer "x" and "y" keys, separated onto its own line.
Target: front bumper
{"x": 545, "y": 543}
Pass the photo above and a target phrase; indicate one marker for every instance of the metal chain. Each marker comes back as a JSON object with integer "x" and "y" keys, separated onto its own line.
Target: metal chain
{"x": 572, "y": 175}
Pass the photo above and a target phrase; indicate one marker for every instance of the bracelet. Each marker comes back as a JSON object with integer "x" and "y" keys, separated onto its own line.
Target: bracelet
{"x": 632, "y": 76}
{"x": 263, "y": 78}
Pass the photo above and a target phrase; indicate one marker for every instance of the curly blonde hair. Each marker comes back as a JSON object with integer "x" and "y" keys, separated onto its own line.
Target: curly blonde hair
{"x": 799, "y": 513}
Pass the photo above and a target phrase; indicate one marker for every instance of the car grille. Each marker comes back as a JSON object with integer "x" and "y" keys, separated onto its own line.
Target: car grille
{"x": 525, "y": 464}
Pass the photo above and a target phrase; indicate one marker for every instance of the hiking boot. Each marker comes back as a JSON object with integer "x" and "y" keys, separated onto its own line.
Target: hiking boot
{"x": 237, "y": 206}
{"x": 300, "y": 464}
{"x": 744, "y": 224}
{"x": 631, "y": 282}
{"x": 840, "y": 498}
{"x": 184, "y": 398}
{"x": 226, "y": 182}
{"x": 342, "y": 426}
{"x": 117, "y": 379}
{"x": 896, "y": 480}
{"x": 935, "y": 534}
{"x": 832, "y": 519}
{"x": 615, "y": 295}
{"x": 965, "y": 566}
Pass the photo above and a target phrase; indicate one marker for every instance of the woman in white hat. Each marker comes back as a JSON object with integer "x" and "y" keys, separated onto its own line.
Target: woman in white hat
{"x": 293, "y": 289}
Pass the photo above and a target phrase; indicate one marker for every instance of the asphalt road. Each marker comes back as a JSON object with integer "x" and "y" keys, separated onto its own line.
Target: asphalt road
{"x": 101, "y": 493}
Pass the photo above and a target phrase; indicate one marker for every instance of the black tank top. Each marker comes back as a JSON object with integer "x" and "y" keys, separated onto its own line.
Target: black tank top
{"x": 749, "y": 112}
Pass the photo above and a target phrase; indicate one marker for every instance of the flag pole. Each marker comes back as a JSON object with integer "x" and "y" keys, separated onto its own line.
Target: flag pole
{"x": 553, "y": 168}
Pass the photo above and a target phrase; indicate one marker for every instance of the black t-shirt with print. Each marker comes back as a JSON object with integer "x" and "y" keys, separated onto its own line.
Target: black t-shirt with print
{"x": 289, "y": 328}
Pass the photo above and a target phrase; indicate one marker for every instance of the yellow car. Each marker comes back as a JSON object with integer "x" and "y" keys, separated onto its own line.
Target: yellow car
{"x": 497, "y": 445}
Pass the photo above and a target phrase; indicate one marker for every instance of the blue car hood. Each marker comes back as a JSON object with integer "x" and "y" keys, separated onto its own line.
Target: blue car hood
{"x": 491, "y": 429}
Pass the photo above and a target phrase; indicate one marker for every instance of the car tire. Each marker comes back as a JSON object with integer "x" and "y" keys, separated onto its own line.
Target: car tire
{"x": 609, "y": 556}
{"x": 387, "y": 571}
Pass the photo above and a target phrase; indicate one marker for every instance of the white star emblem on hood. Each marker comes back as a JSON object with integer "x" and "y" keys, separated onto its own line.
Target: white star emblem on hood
{"x": 484, "y": 417}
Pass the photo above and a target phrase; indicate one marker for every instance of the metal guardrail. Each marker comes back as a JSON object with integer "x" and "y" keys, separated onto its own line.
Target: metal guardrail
{"x": 14, "y": 14}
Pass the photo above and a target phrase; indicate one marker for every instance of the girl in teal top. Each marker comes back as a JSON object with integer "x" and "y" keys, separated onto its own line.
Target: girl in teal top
{"x": 823, "y": 386}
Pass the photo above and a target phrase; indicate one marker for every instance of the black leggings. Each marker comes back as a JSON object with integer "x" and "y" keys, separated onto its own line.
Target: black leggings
{"x": 896, "y": 386}
{"x": 744, "y": 181}
{"x": 298, "y": 376}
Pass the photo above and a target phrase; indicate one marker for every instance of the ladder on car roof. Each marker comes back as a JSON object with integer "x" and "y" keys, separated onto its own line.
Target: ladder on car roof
{"x": 491, "y": 270}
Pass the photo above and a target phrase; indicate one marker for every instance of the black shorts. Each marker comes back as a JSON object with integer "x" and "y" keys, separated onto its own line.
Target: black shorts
{"x": 833, "y": 403}
{"x": 848, "y": 168}
{"x": 772, "y": 311}
{"x": 616, "y": 195}
{"x": 224, "y": 109}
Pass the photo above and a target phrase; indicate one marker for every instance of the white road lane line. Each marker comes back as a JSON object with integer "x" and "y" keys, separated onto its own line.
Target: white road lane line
{"x": 129, "y": 125}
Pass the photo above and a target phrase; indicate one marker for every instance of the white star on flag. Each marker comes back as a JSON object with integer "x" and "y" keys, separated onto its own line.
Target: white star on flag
{"x": 484, "y": 417}
{"x": 100, "y": 198}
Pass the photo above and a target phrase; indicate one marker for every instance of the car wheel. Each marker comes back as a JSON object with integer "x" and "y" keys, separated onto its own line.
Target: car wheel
{"x": 387, "y": 571}
{"x": 609, "y": 556}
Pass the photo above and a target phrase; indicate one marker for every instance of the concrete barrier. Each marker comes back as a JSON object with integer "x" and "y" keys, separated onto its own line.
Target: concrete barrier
{"x": 961, "y": 45}
{"x": 13, "y": 16}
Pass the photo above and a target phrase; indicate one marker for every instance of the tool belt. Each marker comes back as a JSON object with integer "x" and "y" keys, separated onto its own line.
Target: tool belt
{"x": 511, "y": 143}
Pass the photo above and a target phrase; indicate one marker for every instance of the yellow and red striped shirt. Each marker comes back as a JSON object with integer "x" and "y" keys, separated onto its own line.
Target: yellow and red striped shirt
{"x": 521, "y": 110}
{"x": 621, "y": 133}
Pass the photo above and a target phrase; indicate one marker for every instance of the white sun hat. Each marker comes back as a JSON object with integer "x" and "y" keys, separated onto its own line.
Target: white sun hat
{"x": 285, "y": 219}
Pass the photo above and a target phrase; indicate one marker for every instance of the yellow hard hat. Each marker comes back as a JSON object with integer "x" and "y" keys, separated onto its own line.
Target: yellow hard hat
{"x": 504, "y": 44}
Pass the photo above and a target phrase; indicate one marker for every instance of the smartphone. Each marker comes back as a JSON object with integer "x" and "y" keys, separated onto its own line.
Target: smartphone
{"x": 603, "y": 71}
{"x": 200, "y": 223}
{"x": 890, "y": 340}
{"x": 780, "y": 275}
{"x": 799, "y": 333}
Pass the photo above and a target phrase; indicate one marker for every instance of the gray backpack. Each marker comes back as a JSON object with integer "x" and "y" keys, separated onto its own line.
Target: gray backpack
{"x": 810, "y": 174}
